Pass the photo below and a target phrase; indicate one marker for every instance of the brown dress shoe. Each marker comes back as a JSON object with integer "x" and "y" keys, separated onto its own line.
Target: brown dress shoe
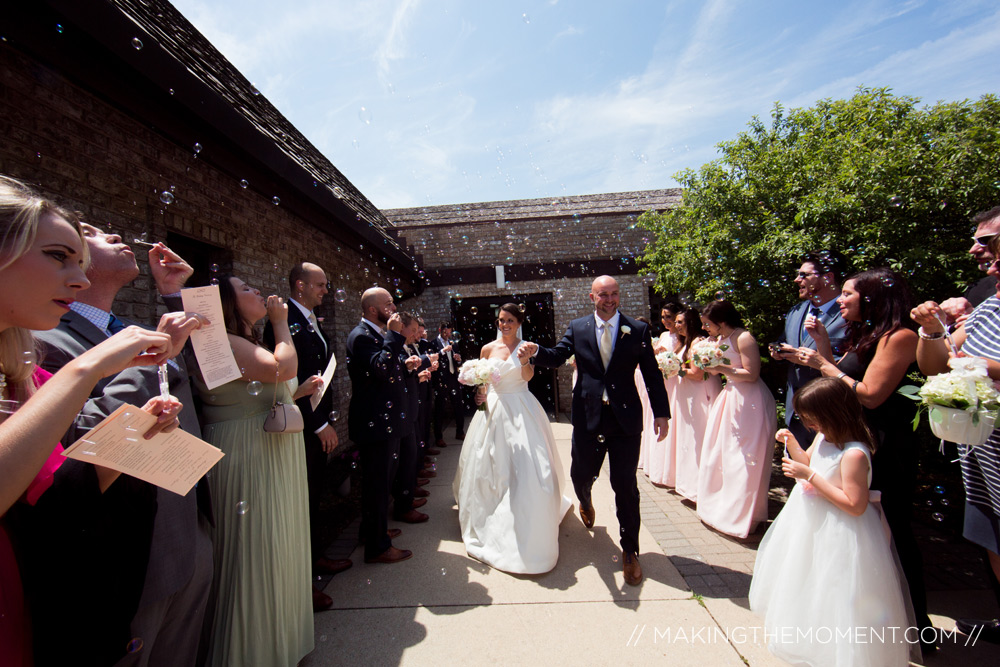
{"x": 427, "y": 473}
{"x": 421, "y": 493}
{"x": 440, "y": 443}
{"x": 419, "y": 502}
{"x": 321, "y": 601}
{"x": 423, "y": 481}
{"x": 431, "y": 451}
{"x": 391, "y": 555}
{"x": 587, "y": 515}
{"x": 393, "y": 533}
{"x": 413, "y": 516}
{"x": 631, "y": 569}
{"x": 331, "y": 566}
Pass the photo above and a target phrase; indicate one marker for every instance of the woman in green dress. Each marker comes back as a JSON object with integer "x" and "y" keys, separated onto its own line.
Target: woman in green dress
{"x": 261, "y": 594}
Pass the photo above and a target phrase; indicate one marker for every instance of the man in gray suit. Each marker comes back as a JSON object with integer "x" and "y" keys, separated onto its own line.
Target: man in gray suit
{"x": 178, "y": 571}
{"x": 818, "y": 279}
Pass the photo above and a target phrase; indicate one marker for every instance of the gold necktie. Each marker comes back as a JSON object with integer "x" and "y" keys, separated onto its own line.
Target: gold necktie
{"x": 606, "y": 344}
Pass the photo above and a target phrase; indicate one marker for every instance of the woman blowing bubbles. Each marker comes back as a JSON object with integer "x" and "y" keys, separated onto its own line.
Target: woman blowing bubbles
{"x": 43, "y": 254}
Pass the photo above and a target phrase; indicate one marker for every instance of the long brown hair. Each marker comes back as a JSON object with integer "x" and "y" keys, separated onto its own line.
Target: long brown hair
{"x": 835, "y": 408}
{"x": 692, "y": 330}
{"x": 885, "y": 307}
{"x": 236, "y": 323}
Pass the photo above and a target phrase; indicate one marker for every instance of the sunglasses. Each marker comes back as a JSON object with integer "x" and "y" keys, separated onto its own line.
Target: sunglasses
{"x": 803, "y": 274}
{"x": 984, "y": 240}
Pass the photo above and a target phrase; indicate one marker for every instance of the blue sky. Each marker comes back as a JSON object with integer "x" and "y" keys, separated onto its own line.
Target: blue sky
{"x": 427, "y": 102}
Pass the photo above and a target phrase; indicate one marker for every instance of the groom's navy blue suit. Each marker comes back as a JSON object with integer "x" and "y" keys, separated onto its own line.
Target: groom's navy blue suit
{"x": 613, "y": 426}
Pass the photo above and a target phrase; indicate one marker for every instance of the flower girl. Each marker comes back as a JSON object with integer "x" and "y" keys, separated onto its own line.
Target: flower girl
{"x": 825, "y": 580}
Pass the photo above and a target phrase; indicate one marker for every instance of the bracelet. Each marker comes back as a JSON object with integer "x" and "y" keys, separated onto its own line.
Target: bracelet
{"x": 855, "y": 386}
{"x": 842, "y": 376}
{"x": 810, "y": 477}
{"x": 930, "y": 336}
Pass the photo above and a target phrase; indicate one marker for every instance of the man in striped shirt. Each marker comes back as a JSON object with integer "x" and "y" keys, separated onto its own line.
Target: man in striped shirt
{"x": 978, "y": 335}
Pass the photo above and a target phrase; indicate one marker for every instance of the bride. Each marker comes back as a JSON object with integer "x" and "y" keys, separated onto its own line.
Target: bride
{"x": 509, "y": 481}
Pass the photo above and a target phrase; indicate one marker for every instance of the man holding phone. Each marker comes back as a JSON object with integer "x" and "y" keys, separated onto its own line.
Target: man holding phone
{"x": 818, "y": 279}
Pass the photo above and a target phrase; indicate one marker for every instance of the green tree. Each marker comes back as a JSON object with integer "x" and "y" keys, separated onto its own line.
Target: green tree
{"x": 877, "y": 177}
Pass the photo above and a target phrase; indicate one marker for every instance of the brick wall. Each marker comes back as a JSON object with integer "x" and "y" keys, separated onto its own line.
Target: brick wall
{"x": 558, "y": 246}
{"x": 91, "y": 157}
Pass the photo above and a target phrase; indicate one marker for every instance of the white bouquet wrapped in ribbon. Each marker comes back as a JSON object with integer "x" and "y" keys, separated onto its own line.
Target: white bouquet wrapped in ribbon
{"x": 669, "y": 363}
{"x": 962, "y": 404}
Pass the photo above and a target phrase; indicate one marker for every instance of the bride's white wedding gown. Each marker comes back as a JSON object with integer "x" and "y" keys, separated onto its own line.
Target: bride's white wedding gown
{"x": 509, "y": 484}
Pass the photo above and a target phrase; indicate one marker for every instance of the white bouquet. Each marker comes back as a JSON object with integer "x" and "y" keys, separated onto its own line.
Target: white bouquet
{"x": 707, "y": 354}
{"x": 669, "y": 363}
{"x": 967, "y": 396}
{"x": 479, "y": 373}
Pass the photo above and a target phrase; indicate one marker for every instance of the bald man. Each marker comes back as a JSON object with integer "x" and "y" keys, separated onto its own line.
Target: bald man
{"x": 377, "y": 415}
{"x": 308, "y": 287}
{"x": 607, "y": 413}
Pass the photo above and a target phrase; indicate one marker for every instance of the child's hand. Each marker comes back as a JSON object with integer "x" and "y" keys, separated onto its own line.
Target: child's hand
{"x": 795, "y": 469}
{"x": 785, "y": 437}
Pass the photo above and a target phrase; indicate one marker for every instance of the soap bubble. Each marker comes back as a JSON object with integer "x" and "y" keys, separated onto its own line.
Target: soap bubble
{"x": 294, "y": 328}
{"x": 242, "y": 507}
{"x": 338, "y": 192}
{"x": 334, "y": 415}
{"x": 340, "y": 296}
{"x": 167, "y": 197}
{"x": 255, "y": 387}
{"x": 895, "y": 201}
{"x": 134, "y": 645}
{"x": 244, "y": 183}
{"x": 474, "y": 310}
{"x": 213, "y": 268}
{"x": 600, "y": 438}
{"x": 365, "y": 116}
{"x": 136, "y": 43}
{"x": 275, "y": 200}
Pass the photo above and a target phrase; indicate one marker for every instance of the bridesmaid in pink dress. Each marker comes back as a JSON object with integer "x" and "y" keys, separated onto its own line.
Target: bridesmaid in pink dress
{"x": 689, "y": 406}
{"x": 656, "y": 458}
{"x": 736, "y": 453}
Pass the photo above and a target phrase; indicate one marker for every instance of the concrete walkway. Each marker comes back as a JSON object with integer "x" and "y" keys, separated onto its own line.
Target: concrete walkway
{"x": 442, "y": 607}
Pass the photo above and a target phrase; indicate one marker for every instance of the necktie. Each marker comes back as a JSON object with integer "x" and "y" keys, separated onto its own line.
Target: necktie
{"x": 606, "y": 344}
{"x": 314, "y": 324}
{"x": 114, "y": 325}
{"x": 816, "y": 312}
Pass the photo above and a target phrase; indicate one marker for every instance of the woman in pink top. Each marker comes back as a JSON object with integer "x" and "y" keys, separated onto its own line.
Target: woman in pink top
{"x": 43, "y": 254}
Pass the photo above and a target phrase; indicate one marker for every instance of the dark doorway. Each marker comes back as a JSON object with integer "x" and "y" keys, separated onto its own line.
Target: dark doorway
{"x": 475, "y": 320}
{"x": 201, "y": 256}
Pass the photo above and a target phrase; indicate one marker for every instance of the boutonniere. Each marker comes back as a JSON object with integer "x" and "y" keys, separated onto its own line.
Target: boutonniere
{"x": 626, "y": 330}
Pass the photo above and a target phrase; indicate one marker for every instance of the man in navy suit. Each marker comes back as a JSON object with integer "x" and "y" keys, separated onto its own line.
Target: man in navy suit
{"x": 377, "y": 416}
{"x": 607, "y": 413}
{"x": 818, "y": 279}
{"x": 309, "y": 286}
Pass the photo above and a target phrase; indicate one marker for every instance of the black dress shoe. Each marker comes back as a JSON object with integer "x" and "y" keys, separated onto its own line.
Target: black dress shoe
{"x": 985, "y": 629}
{"x": 321, "y": 601}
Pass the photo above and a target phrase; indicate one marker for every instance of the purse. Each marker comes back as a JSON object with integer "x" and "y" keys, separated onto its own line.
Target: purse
{"x": 283, "y": 417}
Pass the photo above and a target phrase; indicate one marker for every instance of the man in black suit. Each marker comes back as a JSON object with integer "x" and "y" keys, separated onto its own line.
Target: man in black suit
{"x": 308, "y": 287}
{"x": 607, "y": 413}
{"x": 177, "y": 562}
{"x": 424, "y": 347}
{"x": 447, "y": 389}
{"x": 405, "y": 502}
{"x": 376, "y": 416}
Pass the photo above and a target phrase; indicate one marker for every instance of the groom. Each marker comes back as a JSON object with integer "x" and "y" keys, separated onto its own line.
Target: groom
{"x": 607, "y": 413}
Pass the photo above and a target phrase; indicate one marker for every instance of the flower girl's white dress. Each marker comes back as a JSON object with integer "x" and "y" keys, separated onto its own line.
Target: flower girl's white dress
{"x": 821, "y": 571}
{"x": 509, "y": 481}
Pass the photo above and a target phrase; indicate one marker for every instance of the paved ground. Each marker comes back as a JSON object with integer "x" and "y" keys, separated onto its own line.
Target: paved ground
{"x": 444, "y": 607}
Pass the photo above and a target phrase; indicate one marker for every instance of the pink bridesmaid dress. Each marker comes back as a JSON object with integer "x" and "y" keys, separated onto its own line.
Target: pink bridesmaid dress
{"x": 735, "y": 467}
{"x": 690, "y": 405}
{"x": 657, "y": 458}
